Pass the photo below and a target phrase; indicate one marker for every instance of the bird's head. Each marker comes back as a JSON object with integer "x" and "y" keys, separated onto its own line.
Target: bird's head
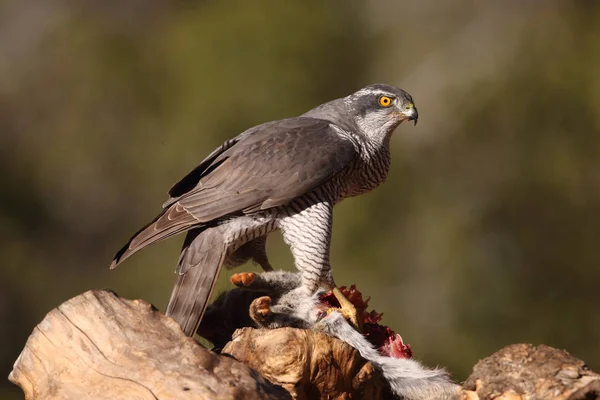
{"x": 379, "y": 109}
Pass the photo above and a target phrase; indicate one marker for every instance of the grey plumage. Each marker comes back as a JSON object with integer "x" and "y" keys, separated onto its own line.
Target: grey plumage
{"x": 203, "y": 254}
{"x": 286, "y": 175}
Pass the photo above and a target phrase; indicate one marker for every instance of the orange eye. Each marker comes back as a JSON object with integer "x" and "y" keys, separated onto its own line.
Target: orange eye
{"x": 385, "y": 101}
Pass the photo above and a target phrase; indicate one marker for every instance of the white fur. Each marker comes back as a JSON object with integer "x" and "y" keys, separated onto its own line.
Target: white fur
{"x": 408, "y": 379}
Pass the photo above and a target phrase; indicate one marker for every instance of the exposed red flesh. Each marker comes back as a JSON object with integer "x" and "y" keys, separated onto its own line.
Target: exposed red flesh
{"x": 385, "y": 340}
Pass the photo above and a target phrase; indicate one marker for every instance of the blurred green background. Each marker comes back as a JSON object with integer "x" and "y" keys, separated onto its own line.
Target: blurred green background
{"x": 485, "y": 234}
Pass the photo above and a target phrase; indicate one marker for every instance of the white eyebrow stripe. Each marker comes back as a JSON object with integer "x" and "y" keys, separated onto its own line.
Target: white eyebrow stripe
{"x": 380, "y": 92}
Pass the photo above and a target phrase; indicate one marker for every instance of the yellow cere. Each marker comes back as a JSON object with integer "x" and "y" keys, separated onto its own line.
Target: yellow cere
{"x": 385, "y": 101}
{"x": 409, "y": 106}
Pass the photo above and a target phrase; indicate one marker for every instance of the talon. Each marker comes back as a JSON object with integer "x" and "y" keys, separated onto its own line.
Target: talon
{"x": 243, "y": 279}
{"x": 347, "y": 309}
{"x": 352, "y": 316}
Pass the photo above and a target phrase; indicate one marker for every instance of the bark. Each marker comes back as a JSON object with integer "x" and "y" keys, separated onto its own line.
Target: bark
{"x": 100, "y": 346}
{"x": 310, "y": 365}
{"x": 525, "y": 371}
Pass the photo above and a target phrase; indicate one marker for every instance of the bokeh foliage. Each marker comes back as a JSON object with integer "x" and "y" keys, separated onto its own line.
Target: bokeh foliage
{"x": 485, "y": 234}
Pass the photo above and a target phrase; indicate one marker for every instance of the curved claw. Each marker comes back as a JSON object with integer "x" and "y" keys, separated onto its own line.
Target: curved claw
{"x": 347, "y": 309}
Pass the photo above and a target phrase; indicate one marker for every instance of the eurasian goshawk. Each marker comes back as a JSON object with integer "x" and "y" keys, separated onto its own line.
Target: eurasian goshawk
{"x": 285, "y": 174}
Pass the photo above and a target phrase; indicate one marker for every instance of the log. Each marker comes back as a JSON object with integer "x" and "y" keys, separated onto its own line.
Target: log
{"x": 525, "y": 371}
{"x": 100, "y": 346}
{"x": 312, "y": 364}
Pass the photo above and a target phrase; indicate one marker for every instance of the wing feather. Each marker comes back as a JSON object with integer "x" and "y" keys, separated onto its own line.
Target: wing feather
{"x": 270, "y": 168}
{"x": 266, "y": 166}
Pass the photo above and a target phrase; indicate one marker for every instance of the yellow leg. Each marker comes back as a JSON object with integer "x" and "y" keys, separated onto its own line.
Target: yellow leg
{"x": 347, "y": 309}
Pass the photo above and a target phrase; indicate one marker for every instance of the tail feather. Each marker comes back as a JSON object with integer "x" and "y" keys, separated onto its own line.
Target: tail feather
{"x": 200, "y": 263}
{"x": 170, "y": 222}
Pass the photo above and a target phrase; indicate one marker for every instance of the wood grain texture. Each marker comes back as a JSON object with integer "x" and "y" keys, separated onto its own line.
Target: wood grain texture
{"x": 99, "y": 346}
{"x": 525, "y": 371}
{"x": 309, "y": 364}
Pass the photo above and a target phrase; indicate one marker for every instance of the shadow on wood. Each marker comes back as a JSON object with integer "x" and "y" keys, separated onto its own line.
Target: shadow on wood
{"x": 99, "y": 346}
{"x": 310, "y": 365}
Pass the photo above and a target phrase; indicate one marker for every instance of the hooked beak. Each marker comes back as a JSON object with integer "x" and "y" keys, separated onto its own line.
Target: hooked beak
{"x": 412, "y": 114}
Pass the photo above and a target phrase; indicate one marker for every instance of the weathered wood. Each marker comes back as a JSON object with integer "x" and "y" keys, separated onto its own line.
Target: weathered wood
{"x": 524, "y": 371}
{"x": 310, "y": 365}
{"x": 99, "y": 346}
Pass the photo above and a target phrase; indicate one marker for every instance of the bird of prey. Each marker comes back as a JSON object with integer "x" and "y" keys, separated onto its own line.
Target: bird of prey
{"x": 282, "y": 175}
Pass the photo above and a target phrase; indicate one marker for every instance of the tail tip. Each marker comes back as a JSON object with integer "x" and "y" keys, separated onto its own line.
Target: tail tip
{"x": 120, "y": 256}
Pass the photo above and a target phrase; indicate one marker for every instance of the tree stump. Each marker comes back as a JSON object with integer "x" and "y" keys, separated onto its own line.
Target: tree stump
{"x": 524, "y": 371}
{"x": 99, "y": 346}
{"x": 310, "y": 365}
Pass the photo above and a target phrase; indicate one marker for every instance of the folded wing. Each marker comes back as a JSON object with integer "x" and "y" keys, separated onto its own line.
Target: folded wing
{"x": 264, "y": 167}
